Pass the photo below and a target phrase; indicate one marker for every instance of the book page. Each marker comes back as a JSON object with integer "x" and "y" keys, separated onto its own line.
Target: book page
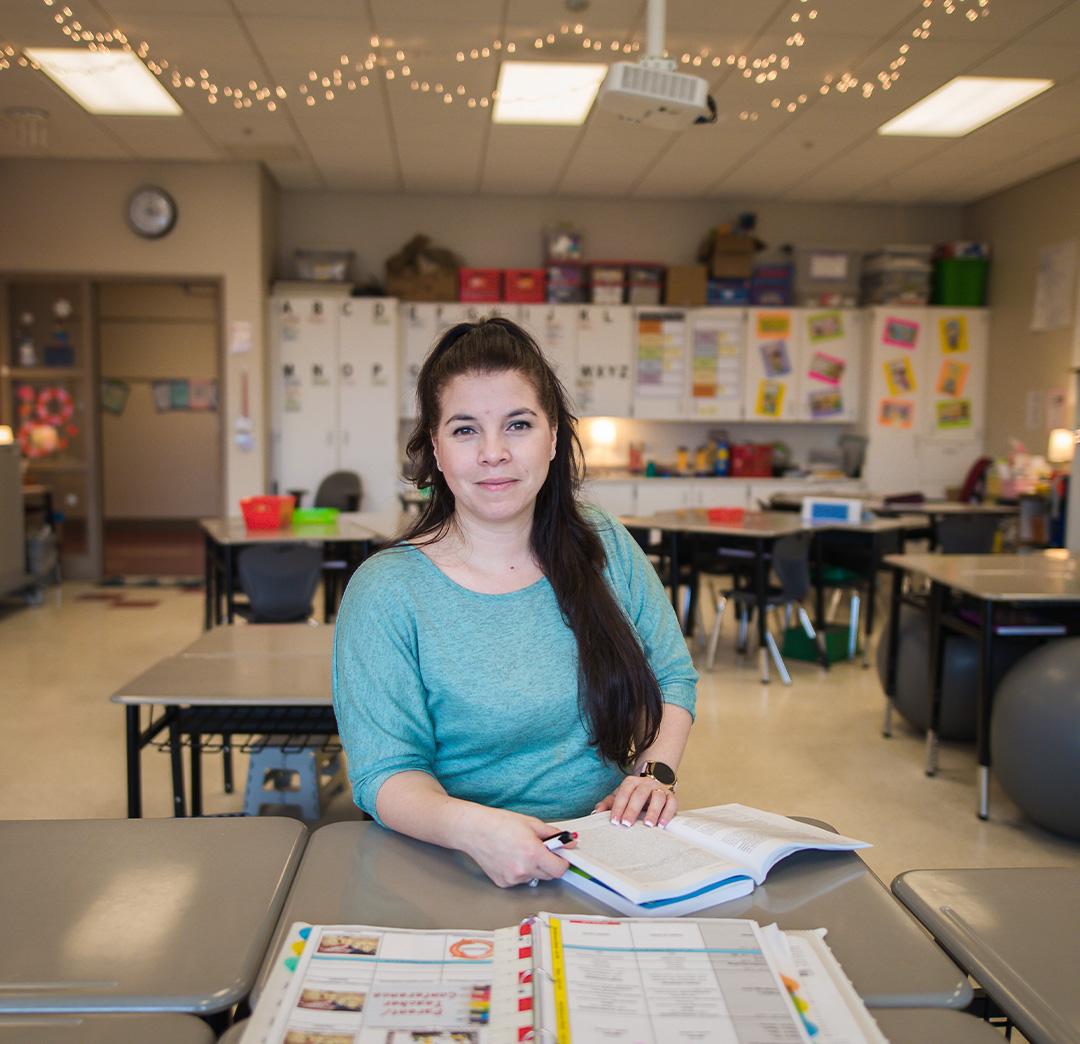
{"x": 357, "y": 984}
{"x": 755, "y": 837}
{"x": 659, "y": 982}
{"x": 643, "y": 863}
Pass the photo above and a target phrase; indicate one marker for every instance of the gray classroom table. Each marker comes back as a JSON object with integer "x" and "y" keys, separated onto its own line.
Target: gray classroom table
{"x": 356, "y": 533}
{"x": 360, "y": 873}
{"x": 1015, "y": 932}
{"x": 267, "y": 668}
{"x": 151, "y": 915}
{"x": 104, "y": 1029}
{"x": 1047, "y": 582}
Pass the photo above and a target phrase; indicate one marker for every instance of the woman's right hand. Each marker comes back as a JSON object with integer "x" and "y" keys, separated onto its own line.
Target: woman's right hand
{"x": 509, "y": 846}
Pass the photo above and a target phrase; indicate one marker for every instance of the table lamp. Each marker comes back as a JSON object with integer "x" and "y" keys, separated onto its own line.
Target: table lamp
{"x": 6, "y": 437}
{"x": 1061, "y": 446}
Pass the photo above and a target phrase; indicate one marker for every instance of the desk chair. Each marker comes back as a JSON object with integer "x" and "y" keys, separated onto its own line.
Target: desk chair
{"x": 279, "y": 581}
{"x": 342, "y": 490}
{"x": 791, "y": 564}
{"x": 967, "y": 534}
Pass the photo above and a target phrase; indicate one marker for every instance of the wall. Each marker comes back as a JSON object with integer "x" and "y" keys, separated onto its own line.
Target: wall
{"x": 70, "y": 217}
{"x": 1016, "y": 223}
{"x": 506, "y": 232}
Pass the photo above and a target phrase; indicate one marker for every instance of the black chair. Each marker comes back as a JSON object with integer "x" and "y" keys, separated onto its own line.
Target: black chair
{"x": 791, "y": 565}
{"x": 340, "y": 489}
{"x": 972, "y": 534}
{"x": 279, "y": 581}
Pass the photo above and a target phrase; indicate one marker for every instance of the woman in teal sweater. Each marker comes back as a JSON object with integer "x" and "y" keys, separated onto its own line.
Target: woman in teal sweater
{"x": 513, "y": 659}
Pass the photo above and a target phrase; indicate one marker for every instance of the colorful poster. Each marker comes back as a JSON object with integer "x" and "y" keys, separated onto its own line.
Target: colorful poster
{"x": 904, "y": 333}
{"x": 954, "y": 413}
{"x": 162, "y": 391}
{"x": 953, "y": 332}
{"x": 179, "y": 394}
{"x": 773, "y": 324}
{"x": 114, "y": 396}
{"x": 896, "y": 413}
{"x": 775, "y": 358}
{"x": 952, "y": 378}
{"x": 827, "y": 368}
{"x": 823, "y": 326}
{"x": 899, "y": 376}
{"x": 715, "y": 360}
{"x": 826, "y": 403}
{"x": 204, "y": 394}
{"x": 661, "y": 356}
{"x": 770, "y": 399}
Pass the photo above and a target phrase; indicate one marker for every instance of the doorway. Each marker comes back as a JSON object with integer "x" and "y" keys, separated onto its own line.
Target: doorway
{"x": 159, "y": 354}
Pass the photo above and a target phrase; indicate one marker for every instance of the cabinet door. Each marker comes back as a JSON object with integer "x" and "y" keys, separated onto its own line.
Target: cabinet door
{"x": 716, "y": 353}
{"x": 616, "y": 498}
{"x": 719, "y": 492}
{"x": 660, "y": 337}
{"x": 422, "y": 323}
{"x": 664, "y": 494}
{"x": 305, "y": 338}
{"x": 604, "y": 360}
{"x": 368, "y": 397}
{"x": 832, "y": 341}
{"x": 955, "y": 371}
{"x": 555, "y": 329}
{"x": 773, "y": 357}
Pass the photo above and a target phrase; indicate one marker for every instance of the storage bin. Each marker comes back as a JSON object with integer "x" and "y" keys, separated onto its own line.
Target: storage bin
{"x": 565, "y": 283}
{"x": 723, "y": 292}
{"x": 479, "y": 284}
{"x": 267, "y": 512}
{"x": 524, "y": 285}
{"x": 323, "y": 266}
{"x": 960, "y": 282}
{"x": 321, "y": 516}
{"x": 725, "y": 514}
{"x": 751, "y": 460}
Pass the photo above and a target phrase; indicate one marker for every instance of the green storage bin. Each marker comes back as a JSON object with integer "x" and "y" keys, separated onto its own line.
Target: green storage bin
{"x": 960, "y": 282}
{"x": 315, "y": 517}
{"x": 798, "y": 645}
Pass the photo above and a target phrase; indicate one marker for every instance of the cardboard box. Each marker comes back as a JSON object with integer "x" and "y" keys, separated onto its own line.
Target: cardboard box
{"x": 732, "y": 257}
{"x": 687, "y": 286}
{"x": 440, "y": 285}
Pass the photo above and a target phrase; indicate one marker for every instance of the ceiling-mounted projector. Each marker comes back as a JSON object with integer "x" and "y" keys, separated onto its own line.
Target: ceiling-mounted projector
{"x": 651, "y": 92}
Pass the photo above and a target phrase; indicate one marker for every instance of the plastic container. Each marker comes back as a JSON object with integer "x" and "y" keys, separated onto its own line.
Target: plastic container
{"x": 725, "y": 514}
{"x": 267, "y": 512}
{"x": 480, "y": 284}
{"x": 323, "y": 266}
{"x": 524, "y": 285}
{"x": 751, "y": 460}
{"x": 322, "y": 516}
{"x": 960, "y": 282}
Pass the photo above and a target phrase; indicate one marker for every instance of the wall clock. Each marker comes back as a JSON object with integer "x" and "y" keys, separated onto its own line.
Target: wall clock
{"x": 151, "y": 212}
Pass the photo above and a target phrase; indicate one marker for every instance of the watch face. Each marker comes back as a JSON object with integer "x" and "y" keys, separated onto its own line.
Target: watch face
{"x": 663, "y": 773}
{"x": 151, "y": 212}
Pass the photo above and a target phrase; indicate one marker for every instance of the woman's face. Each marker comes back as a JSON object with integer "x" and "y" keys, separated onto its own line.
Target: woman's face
{"x": 493, "y": 444}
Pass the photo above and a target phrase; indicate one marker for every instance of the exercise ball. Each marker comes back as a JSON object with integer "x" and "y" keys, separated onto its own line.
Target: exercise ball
{"x": 1035, "y": 736}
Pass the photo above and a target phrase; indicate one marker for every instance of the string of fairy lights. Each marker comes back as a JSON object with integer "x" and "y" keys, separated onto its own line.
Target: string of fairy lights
{"x": 383, "y": 61}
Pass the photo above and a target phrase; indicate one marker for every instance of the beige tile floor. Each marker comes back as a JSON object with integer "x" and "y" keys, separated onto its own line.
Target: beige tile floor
{"x": 813, "y": 749}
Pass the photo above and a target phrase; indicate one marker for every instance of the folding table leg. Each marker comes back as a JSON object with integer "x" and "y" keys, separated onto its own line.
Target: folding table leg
{"x": 177, "y": 766}
{"x": 196, "y": 774}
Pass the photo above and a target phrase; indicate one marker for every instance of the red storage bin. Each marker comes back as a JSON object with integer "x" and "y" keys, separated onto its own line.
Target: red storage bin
{"x": 725, "y": 514}
{"x": 267, "y": 512}
{"x": 479, "y": 284}
{"x": 751, "y": 460}
{"x": 525, "y": 285}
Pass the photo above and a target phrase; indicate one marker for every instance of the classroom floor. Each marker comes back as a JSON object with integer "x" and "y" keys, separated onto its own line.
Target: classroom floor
{"x": 814, "y": 749}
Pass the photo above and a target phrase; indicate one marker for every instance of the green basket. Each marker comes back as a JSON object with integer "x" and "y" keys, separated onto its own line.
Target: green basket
{"x": 315, "y": 517}
{"x": 960, "y": 282}
{"x": 798, "y": 645}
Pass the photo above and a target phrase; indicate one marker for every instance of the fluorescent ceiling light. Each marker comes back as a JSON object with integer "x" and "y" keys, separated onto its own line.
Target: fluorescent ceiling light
{"x": 546, "y": 92}
{"x": 115, "y": 83}
{"x": 962, "y": 105}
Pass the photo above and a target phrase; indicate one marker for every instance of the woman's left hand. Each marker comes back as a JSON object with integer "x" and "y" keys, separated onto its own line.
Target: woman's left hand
{"x": 640, "y": 796}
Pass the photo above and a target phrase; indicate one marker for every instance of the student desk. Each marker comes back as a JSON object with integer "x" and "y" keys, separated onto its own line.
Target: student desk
{"x": 152, "y": 915}
{"x": 360, "y": 873}
{"x": 1015, "y": 932}
{"x": 104, "y": 1029}
{"x": 756, "y": 534}
{"x": 353, "y": 535}
{"x": 260, "y": 678}
{"x": 1047, "y": 583}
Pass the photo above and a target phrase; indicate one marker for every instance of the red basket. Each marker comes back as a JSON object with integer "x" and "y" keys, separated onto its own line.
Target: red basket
{"x": 751, "y": 460}
{"x": 725, "y": 514}
{"x": 267, "y": 512}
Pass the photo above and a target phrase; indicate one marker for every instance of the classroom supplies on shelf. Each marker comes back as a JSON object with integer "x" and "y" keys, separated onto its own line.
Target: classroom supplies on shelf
{"x": 561, "y": 978}
{"x": 703, "y": 857}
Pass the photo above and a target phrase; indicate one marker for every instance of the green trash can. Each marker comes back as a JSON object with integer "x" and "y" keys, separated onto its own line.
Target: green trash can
{"x": 960, "y": 282}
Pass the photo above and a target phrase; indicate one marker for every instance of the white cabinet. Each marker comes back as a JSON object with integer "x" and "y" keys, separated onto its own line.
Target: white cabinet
{"x": 555, "y": 328}
{"x": 334, "y": 393}
{"x": 716, "y": 352}
{"x": 605, "y": 364}
{"x": 660, "y": 355}
{"x": 720, "y": 492}
{"x": 830, "y": 345}
{"x": 616, "y": 498}
{"x": 422, "y": 324}
{"x": 773, "y": 358}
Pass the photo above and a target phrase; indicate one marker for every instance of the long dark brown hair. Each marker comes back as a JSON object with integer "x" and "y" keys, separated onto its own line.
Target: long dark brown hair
{"x": 618, "y": 693}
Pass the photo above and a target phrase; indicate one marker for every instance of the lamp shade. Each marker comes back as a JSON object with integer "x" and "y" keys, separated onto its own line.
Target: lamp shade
{"x": 1062, "y": 445}
{"x": 6, "y": 437}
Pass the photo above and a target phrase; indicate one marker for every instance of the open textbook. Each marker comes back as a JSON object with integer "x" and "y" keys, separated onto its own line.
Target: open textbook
{"x": 561, "y": 979}
{"x": 705, "y": 856}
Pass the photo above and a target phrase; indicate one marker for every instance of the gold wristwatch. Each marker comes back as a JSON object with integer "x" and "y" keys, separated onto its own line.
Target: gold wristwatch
{"x": 663, "y": 774}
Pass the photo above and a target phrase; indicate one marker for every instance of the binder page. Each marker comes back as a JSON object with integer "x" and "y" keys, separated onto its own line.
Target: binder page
{"x": 758, "y": 838}
{"x": 357, "y": 984}
{"x": 660, "y": 982}
{"x": 643, "y": 863}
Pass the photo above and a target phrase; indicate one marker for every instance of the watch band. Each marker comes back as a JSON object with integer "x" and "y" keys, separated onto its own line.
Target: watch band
{"x": 663, "y": 774}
